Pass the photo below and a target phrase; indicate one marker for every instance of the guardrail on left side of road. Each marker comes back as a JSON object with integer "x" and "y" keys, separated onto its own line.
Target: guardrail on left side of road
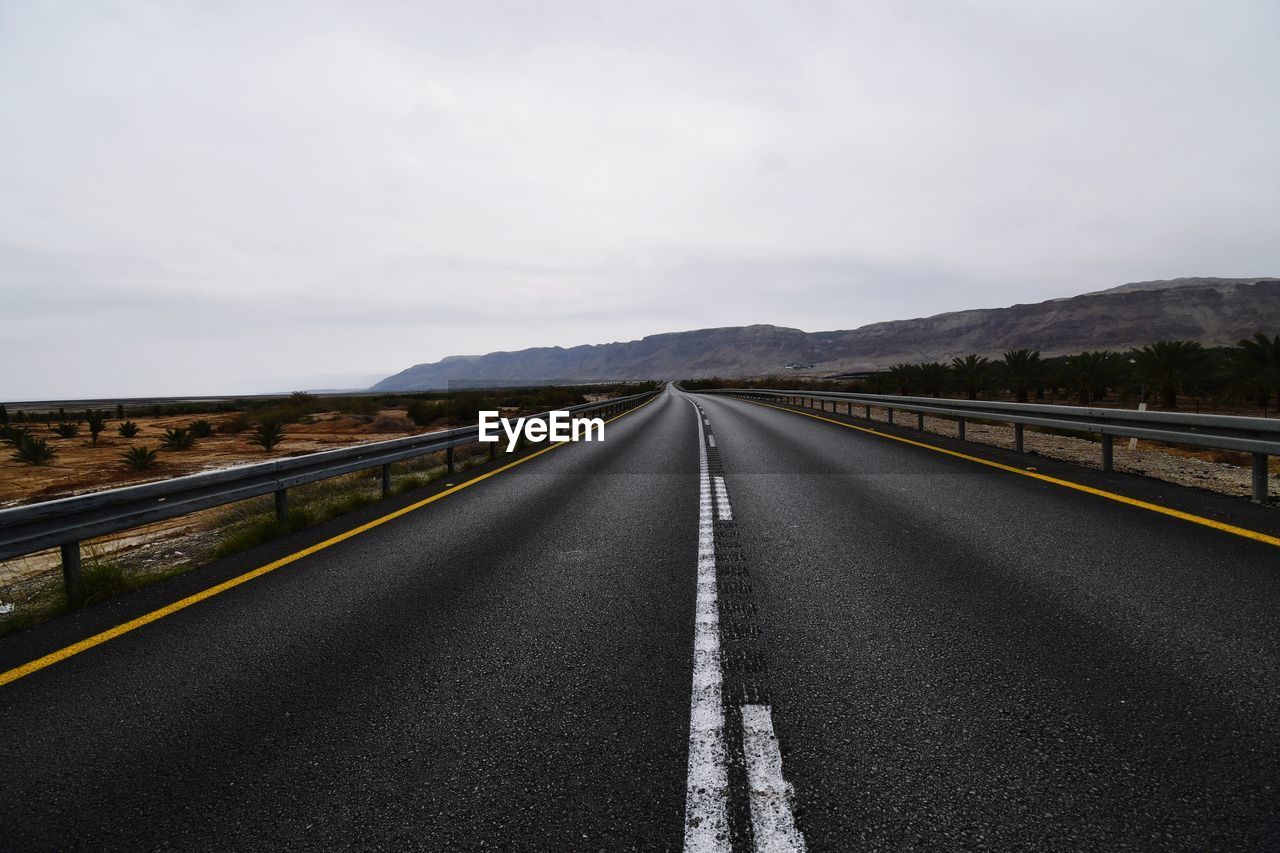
{"x": 66, "y": 522}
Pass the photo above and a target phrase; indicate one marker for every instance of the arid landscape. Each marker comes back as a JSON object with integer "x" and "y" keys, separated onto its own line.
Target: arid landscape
{"x": 80, "y": 466}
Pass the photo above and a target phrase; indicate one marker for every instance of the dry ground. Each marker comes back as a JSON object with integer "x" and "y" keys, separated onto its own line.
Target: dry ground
{"x": 81, "y": 467}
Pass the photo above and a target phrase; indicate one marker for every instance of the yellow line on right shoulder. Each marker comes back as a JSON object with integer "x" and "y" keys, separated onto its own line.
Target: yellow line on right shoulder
{"x": 1244, "y": 532}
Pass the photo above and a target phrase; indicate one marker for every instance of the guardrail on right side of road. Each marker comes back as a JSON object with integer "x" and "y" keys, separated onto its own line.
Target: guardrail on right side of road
{"x": 1259, "y": 437}
{"x": 66, "y": 522}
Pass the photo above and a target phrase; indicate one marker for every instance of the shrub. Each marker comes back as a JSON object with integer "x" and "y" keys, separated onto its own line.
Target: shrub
{"x": 103, "y": 579}
{"x": 15, "y": 435}
{"x": 97, "y": 423}
{"x": 178, "y": 438}
{"x": 34, "y": 451}
{"x": 67, "y": 429}
{"x": 201, "y": 428}
{"x": 128, "y": 429}
{"x": 267, "y": 435}
{"x": 392, "y": 423}
{"x": 237, "y": 423}
{"x": 138, "y": 458}
{"x": 285, "y": 413}
{"x": 357, "y": 405}
{"x": 425, "y": 412}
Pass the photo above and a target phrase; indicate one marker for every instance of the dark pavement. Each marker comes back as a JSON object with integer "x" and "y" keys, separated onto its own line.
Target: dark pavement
{"x": 957, "y": 658}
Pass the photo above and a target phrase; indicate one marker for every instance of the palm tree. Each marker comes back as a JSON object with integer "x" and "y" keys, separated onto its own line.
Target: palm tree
{"x": 1088, "y": 371}
{"x": 1022, "y": 368}
{"x": 933, "y": 377}
{"x": 1171, "y": 366}
{"x": 972, "y": 372}
{"x": 1259, "y": 357}
{"x": 903, "y": 377}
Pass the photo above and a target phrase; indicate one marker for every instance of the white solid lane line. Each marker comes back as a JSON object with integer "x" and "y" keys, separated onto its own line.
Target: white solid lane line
{"x": 723, "y": 510}
{"x": 772, "y": 822}
{"x": 711, "y": 439}
{"x": 706, "y": 812}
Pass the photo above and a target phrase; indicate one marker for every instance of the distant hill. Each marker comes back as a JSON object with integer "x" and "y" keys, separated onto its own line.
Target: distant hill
{"x": 1209, "y": 310}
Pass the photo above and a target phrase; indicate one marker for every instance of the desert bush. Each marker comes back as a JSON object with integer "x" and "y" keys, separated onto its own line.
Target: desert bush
{"x": 237, "y": 423}
{"x": 178, "y": 438}
{"x": 128, "y": 429}
{"x": 15, "y": 435}
{"x": 392, "y": 423}
{"x": 357, "y": 405}
{"x": 286, "y": 413}
{"x": 425, "y": 412}
{"x": 201, "y": 428}
{"x": 34, "y": 451}
{"x": 67, "y": 429}
{"x": 97, "y": 423}
{"x": 138, "y": 458}
{"x": 267, "y": 435}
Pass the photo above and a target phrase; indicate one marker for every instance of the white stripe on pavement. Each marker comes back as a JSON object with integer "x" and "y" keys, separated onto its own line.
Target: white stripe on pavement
{"x": 723, "y": 510}
{"x": 711, "y": 439}
{"x": 772, "y": 822}
{"x": 706, "y": 812}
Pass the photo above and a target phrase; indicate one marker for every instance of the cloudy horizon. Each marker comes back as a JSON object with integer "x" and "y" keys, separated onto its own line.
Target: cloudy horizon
{"x": 239, "y": 198}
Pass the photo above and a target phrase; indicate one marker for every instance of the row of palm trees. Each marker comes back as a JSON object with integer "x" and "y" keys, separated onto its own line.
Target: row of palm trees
{"x": 1249, "y": 370}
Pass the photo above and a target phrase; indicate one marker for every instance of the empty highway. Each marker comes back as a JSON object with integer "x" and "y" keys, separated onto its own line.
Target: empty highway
{"x": 726, "y": 627}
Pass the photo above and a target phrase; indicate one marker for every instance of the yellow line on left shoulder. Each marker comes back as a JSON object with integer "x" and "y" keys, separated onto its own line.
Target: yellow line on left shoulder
{"x": 195, "y": 598}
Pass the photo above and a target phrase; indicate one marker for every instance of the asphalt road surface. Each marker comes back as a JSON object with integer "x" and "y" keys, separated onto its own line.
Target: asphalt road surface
{"x": 726, "y": 627}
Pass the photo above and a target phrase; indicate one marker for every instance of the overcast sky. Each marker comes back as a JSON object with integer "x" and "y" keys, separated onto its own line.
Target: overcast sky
{"x": 237, "y": 197}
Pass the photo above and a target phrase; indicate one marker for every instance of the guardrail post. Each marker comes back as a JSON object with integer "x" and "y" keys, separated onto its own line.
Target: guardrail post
{"x": 920, "y": 421}
{"x": 386, "y": 480}
{"x": 868, "y": 412}
{"x": 1017, "y": 437}
{"x": 1108, "y": 452}
{"x": 1260, "y": 477}
{"x": 282, "y": 504}
{"x": 493, "y": 450}
{"x": 960, "y": 428}
{"x": 889, "y": 413}
{"x": 71, "y": 573}
{"x": 448, "y": 458}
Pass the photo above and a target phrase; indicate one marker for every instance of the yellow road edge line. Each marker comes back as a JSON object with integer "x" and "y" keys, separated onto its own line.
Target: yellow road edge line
{"x": 195, "y": 598}
{"x": 1244, "y": 532}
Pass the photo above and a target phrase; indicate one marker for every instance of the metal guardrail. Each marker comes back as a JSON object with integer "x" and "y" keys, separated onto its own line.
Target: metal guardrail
{"x": 1257, "y": 436}
{"x": 66, "y": 522}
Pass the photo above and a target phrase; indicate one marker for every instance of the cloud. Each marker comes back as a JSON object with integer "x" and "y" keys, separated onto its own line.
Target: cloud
{"x": 214, "y": 192}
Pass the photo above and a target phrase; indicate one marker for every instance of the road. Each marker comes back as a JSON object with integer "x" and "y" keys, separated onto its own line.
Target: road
{"x": 723, "y": 626}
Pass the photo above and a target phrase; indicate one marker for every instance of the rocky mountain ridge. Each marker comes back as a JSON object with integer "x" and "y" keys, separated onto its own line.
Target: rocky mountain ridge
{"x": 1213, "y": 311}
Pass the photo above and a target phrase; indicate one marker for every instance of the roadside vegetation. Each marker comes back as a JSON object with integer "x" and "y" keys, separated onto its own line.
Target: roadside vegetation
{"x": 1166, "y": 374}
{"x": 133, "y": 445}
{"x": 231, "y": 530}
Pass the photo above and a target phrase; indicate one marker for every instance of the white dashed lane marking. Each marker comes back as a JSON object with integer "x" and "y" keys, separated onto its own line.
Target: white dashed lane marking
{"x": 706, "y": 810}
{"x": 772, "y": 823}
{"x": 723, "y": 510}
{"x": 706, "y": 817}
